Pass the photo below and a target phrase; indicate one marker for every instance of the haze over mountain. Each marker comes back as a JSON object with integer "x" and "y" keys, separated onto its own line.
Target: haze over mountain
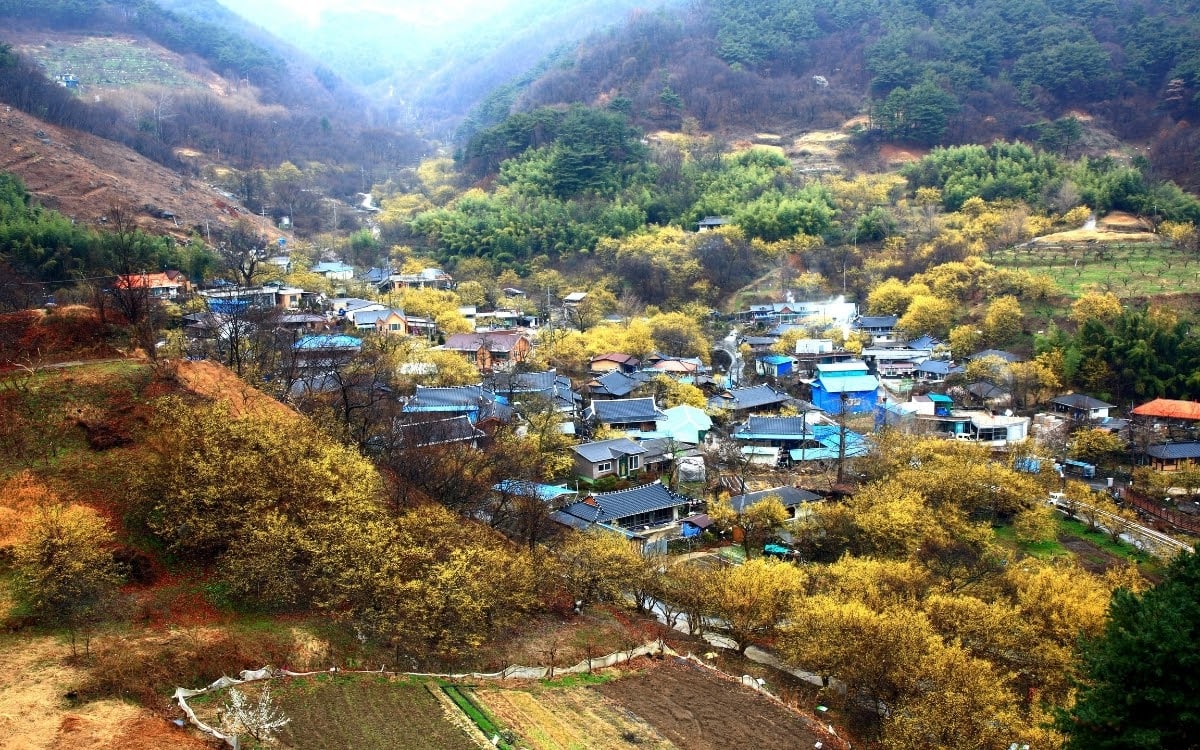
{"x": 431, "y": 63}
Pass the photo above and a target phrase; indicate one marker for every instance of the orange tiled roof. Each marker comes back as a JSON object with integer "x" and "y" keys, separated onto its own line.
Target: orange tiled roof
{"x": 1169, "y": 409}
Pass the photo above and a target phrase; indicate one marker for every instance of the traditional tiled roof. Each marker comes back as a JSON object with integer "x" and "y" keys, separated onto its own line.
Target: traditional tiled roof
{"x": 548, "y": 384}
{"x": 450, "y": 398}
{"x": 789, "y": 496}
{"x": 624, "y": 411}
{"x": 606, "y": 507}
{"x": 422, "y": 433}
{"x": 607, "y": 450}
{"x": 494, "y": 341}
{"x": 765, "y": 427}
{"x": 875, "y": 321}
{"x": 617, "y": 383}
{"x": 748, "y": 398}
{"x": 1174, "y": 451}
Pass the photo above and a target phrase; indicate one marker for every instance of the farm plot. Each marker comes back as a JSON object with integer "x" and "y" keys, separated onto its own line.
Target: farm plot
{"x": 549, "y": 718}
{"x": 1107, "y": 263}
{"x": 698, "y": 710}
{"x": 356, "y": 711}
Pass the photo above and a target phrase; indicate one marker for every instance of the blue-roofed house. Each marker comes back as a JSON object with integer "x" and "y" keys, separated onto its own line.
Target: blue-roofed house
{"x": 845, "y": 385}
{"x": 685, "y": 424}
{"x": 628, "y": 414}
{"x": 775, "y": 365}
{"x": 620, "y": 457}
{"x": 936, "y": 370}
{"x": 547, "y": 493}
{"x": 795, "y": 440}
{"x": 375, "y": 276}
{"x": 648, "y": 505}
{"x": 325, "y": 351}
{"x": 334, "y": 270}
{"x": 925, "y": 342}
{"x": 471, "y": 401}
{"x": 350, "y": 307}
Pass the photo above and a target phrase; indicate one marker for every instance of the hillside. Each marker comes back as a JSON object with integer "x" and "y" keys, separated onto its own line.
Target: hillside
{"x": 949, "y": 73}
{"x": 83, "y": 176}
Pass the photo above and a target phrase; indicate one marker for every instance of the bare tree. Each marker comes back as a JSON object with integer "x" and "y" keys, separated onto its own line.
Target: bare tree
{"x": 261, "y": 718}
{"x": 242, "y": 250}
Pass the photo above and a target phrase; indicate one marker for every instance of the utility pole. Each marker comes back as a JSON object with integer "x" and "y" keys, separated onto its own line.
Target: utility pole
{"x": 841, "y": 472}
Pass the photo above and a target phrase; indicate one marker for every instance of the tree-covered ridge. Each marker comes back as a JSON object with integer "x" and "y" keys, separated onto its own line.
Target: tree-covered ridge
{"x": 37, "y": 244}
{"x": 225, "y": 50}
{"x": 950, "y": 72}
{"x": 1064, "y": 51}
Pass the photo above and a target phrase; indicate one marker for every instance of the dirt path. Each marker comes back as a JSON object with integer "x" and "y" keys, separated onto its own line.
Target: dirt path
{"x": 36, "y": 715}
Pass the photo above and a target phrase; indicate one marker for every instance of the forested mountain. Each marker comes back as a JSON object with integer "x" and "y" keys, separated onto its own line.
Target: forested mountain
{"x": 928, "y": 73}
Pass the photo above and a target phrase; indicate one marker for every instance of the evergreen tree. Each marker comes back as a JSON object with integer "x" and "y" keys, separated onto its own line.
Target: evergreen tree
{"x": 1141, "y": 676}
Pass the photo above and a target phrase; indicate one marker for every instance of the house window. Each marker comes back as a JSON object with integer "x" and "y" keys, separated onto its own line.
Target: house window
{"x": 634, "y": 462}
{"x": 603, "y": 467}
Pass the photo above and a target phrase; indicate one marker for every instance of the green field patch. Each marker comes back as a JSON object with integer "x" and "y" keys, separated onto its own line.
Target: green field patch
{"x": 105, "y": 62}
{"x": 360, "y": 711}
{"x": 1042, "y": 550}
{"x": 1125, "y": 269}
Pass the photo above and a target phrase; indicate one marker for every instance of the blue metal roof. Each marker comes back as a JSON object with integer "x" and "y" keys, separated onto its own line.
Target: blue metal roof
{"x": 319, "y": 342}
{"x": 545, "y": 492}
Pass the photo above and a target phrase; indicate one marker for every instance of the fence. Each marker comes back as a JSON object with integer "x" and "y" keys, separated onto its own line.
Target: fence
{"x": 653, "y": 648}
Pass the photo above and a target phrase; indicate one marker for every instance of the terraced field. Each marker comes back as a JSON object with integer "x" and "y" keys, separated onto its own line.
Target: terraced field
{"x": 569, "y": 719}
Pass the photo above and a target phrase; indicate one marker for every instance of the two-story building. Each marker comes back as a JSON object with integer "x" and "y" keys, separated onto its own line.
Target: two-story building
{"x": 845, "y": 387}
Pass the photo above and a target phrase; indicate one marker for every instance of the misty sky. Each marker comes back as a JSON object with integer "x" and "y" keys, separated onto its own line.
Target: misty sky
{"x": 417, "y": 12}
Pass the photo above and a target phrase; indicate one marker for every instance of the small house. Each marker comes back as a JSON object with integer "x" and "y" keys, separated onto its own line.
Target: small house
{"x": 1081, "y": 407}
{"x": 792, "y": 499}
{"x": 325, "y": 351}
{"x": 1173, "y": 456}
{"x": 628, "y": 414}
{"x": 638, "y": 507}
{"x": 334, "y": 270}
{"x": 882, "y": 328}
{"x": 758, "y": 399}
{"x": 613, "y": 361}
{"x": 492, "y": 349}
{"x": 845, "y": 386}
{"x": 709, "y": 223}
{"x": 165, "y": 285}
{"x": 1169, "y": 410}
{"x": 775, "y": 366}
{"x": 619, "y": 457}
{"x": 616, "y": 384}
